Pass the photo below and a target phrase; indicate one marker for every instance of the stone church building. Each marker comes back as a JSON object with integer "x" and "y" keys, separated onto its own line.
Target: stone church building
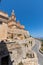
{"x": 15, "y": 42}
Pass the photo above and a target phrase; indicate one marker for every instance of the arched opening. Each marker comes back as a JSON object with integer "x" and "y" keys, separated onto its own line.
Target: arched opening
{"x": 4, "y": 54}
{"x": 5, "y": 60}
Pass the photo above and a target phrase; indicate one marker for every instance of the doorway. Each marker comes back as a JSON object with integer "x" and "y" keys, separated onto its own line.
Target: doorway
{"x": 5, "y": 60}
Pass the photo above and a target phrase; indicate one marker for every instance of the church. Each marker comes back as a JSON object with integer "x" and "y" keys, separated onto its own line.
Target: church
{"x": 15, "y": 42}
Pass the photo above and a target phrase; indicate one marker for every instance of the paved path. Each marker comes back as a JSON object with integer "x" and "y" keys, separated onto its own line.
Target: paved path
{"x": 39, "y": 55}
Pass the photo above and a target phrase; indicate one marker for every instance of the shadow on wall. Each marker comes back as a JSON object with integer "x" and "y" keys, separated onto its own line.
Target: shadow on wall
{"x": 4, "y": 54}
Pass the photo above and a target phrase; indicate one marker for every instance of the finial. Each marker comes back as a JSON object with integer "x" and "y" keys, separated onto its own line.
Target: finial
{"x": 13, "y": 12}
{"x": 18, "y": 22}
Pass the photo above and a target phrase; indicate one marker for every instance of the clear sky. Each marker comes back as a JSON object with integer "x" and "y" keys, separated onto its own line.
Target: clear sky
{"x": 29, "y": 12}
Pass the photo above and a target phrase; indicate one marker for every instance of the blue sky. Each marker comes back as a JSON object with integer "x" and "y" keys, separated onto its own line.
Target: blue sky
{"x": 29, "y": 12}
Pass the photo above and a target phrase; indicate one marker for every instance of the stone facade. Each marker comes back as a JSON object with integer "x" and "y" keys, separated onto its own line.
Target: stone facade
{"x": 17, "y": 40}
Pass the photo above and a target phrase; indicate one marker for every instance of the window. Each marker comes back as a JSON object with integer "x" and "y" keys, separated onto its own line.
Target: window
{"x": 12, "y": 36}
{"x": 29, "y": 41}
{"x": 20, "y": 63}
{"x": 0, "y": 22}
{"x": 19, "y": 34}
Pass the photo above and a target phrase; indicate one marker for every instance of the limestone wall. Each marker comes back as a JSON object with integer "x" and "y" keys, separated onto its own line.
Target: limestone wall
{"x": 3, "y": 31}
{"x": 3, "y": 14}
{"x": 32, "y": 61}
{"x": 18, "y": 41}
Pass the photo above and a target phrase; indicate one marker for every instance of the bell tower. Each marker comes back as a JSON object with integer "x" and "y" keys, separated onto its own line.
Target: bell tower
{"x": 13, "y": 15}
{"x": 12, "y": 19}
